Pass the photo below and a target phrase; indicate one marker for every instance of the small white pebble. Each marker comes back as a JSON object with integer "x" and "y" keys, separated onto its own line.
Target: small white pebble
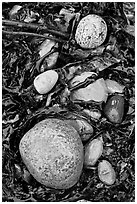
{"x": 45, "y": 81}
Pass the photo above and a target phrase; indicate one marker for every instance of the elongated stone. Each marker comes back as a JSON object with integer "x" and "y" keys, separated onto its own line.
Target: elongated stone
{"x": 114, "y": 109}
{"x": 49, "y": 61}
{"x": 106, "y": 172}
{"x": 93, "y": 151}
{"x": 95, "y": 114}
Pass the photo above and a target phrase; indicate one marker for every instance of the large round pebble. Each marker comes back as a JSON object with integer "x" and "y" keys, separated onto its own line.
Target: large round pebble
{"x": 45, "y": 81}
{"x": 91, "y": 31}
{"x": 53, "y": 153}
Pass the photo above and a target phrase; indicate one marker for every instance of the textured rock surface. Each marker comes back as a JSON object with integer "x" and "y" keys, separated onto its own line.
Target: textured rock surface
{"x": 106, "y": 172}
{"x": 91, "y": 31}
{"x": 53, "y": 153}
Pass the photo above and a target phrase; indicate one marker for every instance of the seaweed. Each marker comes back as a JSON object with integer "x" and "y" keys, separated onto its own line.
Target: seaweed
{"x": 22, "y": 107}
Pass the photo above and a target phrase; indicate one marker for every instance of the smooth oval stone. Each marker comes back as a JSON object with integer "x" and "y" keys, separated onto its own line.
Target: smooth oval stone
{"x": 96, "y": 91}
{"x": 93, "y": 151}
{"x": 114, "y": 86}
{"x": 91, "y": 31}
{"x": 45, "y": 81}
{"x": 114, "y": 109}
{"x": 53, "y": 153}
{"x": 106, "y": 172}
{"x": 81, "y": 78}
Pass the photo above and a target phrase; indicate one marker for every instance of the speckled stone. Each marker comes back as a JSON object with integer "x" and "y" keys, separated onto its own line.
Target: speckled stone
{"x": 91, "y": 31}
{"x": 53, "y": 153}
{"x": 106, "y": 172}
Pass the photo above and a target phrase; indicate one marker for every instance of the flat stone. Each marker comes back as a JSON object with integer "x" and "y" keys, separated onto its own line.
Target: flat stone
{"x": 96, "y": 91}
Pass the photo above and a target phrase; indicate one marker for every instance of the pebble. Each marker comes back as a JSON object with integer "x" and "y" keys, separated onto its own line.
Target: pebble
{"x": 91, "y": 31}
{"x": 93, "y": 151}
{"x": 106, "y": 172}
{"x": 114, "y": 109}
{"x": 50, "y": 61}
{"x": 114, "y": 86}
{"x": 46, "y": 46}
{"x": 95, "y": 114}
{"x": 96, "y": 91}
{"x": 53, "y": 153}
{"x": 45, "y": 81}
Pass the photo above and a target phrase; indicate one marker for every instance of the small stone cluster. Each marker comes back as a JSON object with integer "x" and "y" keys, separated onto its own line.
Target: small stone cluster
{"x": 53, "y": 149}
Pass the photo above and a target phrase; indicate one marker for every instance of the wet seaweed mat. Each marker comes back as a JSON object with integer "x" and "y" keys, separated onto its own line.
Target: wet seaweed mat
{"x": 91, "y": 88}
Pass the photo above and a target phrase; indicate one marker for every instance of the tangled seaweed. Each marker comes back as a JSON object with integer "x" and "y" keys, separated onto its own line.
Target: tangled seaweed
{"x": 22, "y": 107}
